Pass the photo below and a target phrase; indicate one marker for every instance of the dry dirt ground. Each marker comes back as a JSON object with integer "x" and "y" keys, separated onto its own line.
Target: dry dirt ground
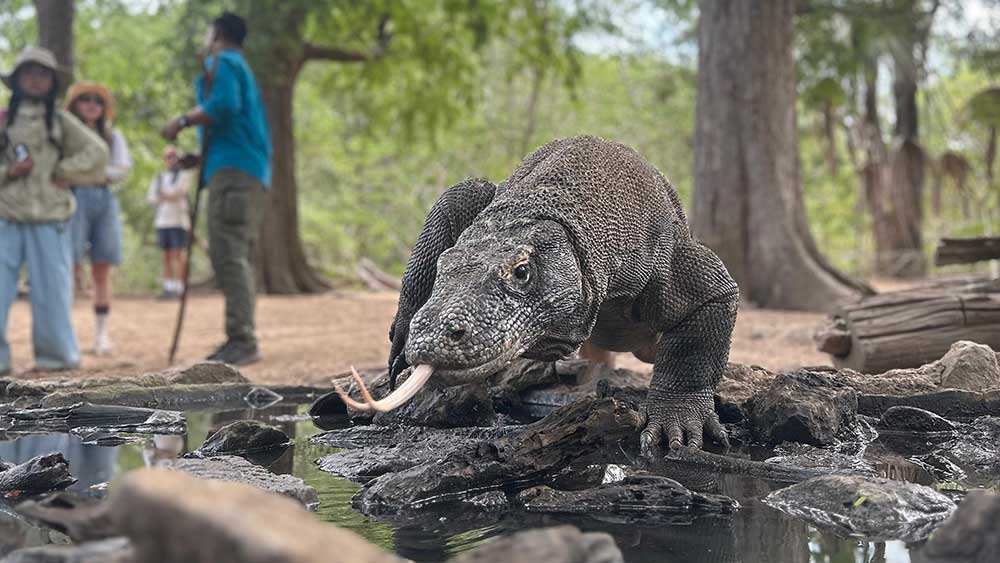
{"x": 308, "y": 339}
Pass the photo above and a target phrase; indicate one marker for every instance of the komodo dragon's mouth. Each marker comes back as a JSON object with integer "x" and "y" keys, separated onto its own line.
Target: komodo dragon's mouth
{"x": 418, "y": 378}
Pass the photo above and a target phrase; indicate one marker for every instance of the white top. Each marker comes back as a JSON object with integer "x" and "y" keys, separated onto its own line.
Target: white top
{"x": 168, "y": 192}
{"x": 121, "y": 161}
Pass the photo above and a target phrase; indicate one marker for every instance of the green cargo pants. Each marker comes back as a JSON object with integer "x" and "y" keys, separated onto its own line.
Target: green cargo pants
{"x": 234, "y": 199}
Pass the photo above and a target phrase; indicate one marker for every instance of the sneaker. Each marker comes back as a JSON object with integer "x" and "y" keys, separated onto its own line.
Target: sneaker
{"x": 102, "y": 344}
{"x": 240, "y": 353}
{"x": 216, "y": 356}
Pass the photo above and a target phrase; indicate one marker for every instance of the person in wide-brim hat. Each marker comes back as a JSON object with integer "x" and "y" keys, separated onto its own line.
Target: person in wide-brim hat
{"x": 32, "y": 55}
{"x": 87, "y": 87}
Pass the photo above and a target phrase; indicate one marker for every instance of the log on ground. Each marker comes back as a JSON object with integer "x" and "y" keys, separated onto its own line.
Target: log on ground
{"x": 966, "y": 250}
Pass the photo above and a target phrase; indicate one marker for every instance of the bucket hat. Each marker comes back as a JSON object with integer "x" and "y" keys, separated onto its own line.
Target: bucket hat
{"x": 37, "y": 55}
{"x": 89, "y": 87}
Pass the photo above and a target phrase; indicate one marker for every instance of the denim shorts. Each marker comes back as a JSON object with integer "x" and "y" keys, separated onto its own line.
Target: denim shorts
{"x": 171, "y": 238}
{"x": 96, "y": 226}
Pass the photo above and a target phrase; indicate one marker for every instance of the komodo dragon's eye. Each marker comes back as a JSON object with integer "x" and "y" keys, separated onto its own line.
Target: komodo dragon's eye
{"x": 522, "y": 273}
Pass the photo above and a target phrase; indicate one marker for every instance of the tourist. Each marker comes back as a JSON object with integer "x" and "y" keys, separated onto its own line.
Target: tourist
{"x": 96, "y": 225}
{"x": 237, "y": 169}
{"x": 44, "y": 150}
{"x": 168, "y": 192}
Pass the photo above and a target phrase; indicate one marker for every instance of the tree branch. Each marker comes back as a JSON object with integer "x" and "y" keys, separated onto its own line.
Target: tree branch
{"x": 313, "y": 52}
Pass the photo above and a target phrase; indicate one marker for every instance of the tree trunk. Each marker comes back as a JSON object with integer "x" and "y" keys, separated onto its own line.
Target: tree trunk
{"x": 747, "y": 203}
{"x": 281, "y": 260}
{"x": 55, "y": 33}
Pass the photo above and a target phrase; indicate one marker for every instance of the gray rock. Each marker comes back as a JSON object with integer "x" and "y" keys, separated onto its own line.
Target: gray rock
{"x": 86, "y": 418}
{"x": 238, "y": 470}
{"x": 16, "y": 531}
{"x": 969, "y": 536}
{"x": 872, "y": 508}
{"x": 444, "y": 407}
{"x": 970, "y": 366}
{"x": 805, "y": 406}
{"x": 563, "y": 544}
{"x": 804, "y": 456}
{"x": 171, "y": 517}
{"x": 113, "y": 550}
{"x": 912, "y": 419}
{"x": 490, "y": 502}
{"x": 241, "y": 438}
{"x": 39, "y": 474}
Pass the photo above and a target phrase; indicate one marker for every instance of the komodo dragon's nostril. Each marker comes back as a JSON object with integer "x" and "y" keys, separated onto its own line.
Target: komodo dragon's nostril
{"x": 456, "y": 331}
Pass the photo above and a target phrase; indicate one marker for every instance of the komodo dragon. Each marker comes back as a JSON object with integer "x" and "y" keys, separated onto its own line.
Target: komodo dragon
{"x": 584, "y": 240}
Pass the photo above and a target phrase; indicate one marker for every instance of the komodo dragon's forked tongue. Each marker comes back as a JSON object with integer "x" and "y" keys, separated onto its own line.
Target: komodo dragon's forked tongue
{"x": 395, "y": 399}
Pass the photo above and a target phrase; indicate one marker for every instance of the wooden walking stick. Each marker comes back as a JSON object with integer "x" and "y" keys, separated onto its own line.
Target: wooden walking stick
{"x": 209, "y": 80}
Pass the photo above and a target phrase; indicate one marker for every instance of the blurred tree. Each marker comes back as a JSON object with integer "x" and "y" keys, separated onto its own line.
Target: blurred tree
{"x": 55, "y": 33}
{"x": 747, "y": 203}
{"x": 427, "y": 50}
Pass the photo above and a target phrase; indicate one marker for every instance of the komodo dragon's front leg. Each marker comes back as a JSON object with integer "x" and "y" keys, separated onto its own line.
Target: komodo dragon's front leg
{"x": 694, "y": 305}
{"x": 451, "y": 214}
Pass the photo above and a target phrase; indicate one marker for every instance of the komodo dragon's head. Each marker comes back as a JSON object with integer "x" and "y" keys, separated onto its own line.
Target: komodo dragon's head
{"x": 495, "y": 295}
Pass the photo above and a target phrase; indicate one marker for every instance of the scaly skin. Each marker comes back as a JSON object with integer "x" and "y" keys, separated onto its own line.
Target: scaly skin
{"x": 584, "y": 240}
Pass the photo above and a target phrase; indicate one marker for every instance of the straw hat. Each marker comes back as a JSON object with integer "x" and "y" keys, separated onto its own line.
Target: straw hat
{"x": 38, "y": 55}
{"x": 88, "y": 87}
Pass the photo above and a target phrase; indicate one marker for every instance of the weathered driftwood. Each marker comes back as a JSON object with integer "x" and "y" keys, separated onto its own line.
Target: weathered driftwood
{"x": 37, "y": 475}
{"x": 911, "y": 328}
{"x": 966, "y": 250}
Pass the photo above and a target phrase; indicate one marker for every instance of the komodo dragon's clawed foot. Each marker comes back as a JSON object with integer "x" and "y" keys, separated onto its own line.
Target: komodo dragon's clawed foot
{"x": 680, "y": 419}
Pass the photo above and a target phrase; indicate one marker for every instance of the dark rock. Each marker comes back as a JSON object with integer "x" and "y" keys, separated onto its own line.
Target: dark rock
{"x": 969, "y": 536}
{"x": 690, "y": 459}
{"x": 113, "y": 550}
{"x": 563, "y": 544}
{"x": 245, "y": 438}
{"x": 86, "y": 418}
{"x": 911, "y": 419}
{"x": 642, "y": 497}
{"x": 174, "y": 518}
{"x": 39, "y": 474}
{"x": 589, "y": 427}
{"x": 363, "y": 465}
{"x": 876, "y": 509}
{"x": 953, "y": 404}
{"x": 489, "y": 502}
{"x": 522, "y": 374}
{"x": 971, "y": 367}
{"x": 978, "y": 446}
{"x": 805, "y": 406}
{"x": 238, "y": 470}
{"x": 81, "y": 517}
{"x": 387, "y": 437}
{"x": 738, "y": 386}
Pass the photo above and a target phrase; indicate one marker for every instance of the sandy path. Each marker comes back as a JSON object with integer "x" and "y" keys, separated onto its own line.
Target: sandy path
{"x": 306, "y": 339}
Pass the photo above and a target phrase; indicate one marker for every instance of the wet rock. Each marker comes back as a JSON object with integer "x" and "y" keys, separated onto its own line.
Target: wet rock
{"x": 81, "y": 517}
{"x": 950, "y": 403}
{"x": 238, "y": 470}
{"x": 690, "y": 459}
{"x": 580, "y": 379}
{"x": 86, "y": 418}
{"x": 363, "y": 465}
{"x": 912, "y": 419}
{"x": 978, "y": 446}
{"x": 492, "y": 501}
{"x": 39, "y": 474}
{"x": 804, "y": 456}
{"x": 971, "y": 367}
{"x": 739, "y": 384}
{"x": 444, "y": 407}
{"x": 645, "y": 497}
{"x": 174, "y": 518}
{"x": 969, "y": 536}
{"x": 876, "y": 509}
{"x": 805, "y": 406}
{"x": 563, "y": 544}
{"x": 245, "y": 438}
{"x": 589, "y": 427}
{"x": 113, "y": 550}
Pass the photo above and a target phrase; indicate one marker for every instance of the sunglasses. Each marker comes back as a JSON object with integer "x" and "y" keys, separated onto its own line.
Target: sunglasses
{"x": 90, "y": 98}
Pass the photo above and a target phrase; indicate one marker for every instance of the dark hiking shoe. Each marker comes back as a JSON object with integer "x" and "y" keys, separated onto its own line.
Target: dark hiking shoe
{"x": 240, "y": 353}
{"x": 216, "y": 356}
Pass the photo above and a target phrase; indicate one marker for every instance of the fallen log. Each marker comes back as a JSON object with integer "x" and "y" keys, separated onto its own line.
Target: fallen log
{"x": 966, "y": 250}
{"x": 911, "y": 328}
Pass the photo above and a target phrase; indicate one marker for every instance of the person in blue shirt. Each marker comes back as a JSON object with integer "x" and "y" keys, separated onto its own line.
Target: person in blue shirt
{"x": 236, "y": 171}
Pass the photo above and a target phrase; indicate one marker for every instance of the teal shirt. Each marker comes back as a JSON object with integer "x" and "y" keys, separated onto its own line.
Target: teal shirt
{"x": 238, "y": 135}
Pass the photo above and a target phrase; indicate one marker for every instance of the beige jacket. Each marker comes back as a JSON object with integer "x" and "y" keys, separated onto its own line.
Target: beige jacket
{"x": 35, "y": 198}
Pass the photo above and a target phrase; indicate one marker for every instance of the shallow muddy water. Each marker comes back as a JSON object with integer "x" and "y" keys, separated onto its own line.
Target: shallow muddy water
{"x": 754, "y": 534}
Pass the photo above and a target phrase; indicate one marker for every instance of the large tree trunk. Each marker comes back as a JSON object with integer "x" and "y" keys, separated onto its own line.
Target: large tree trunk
{"x": 55, "y": 33}
{"x": 281, "y": 260}
{"x": 747, "y": 203}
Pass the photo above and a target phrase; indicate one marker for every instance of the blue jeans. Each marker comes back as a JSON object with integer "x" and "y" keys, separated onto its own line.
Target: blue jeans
{"x": 45, "y": 248}
{"x": 96, "y": 226}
